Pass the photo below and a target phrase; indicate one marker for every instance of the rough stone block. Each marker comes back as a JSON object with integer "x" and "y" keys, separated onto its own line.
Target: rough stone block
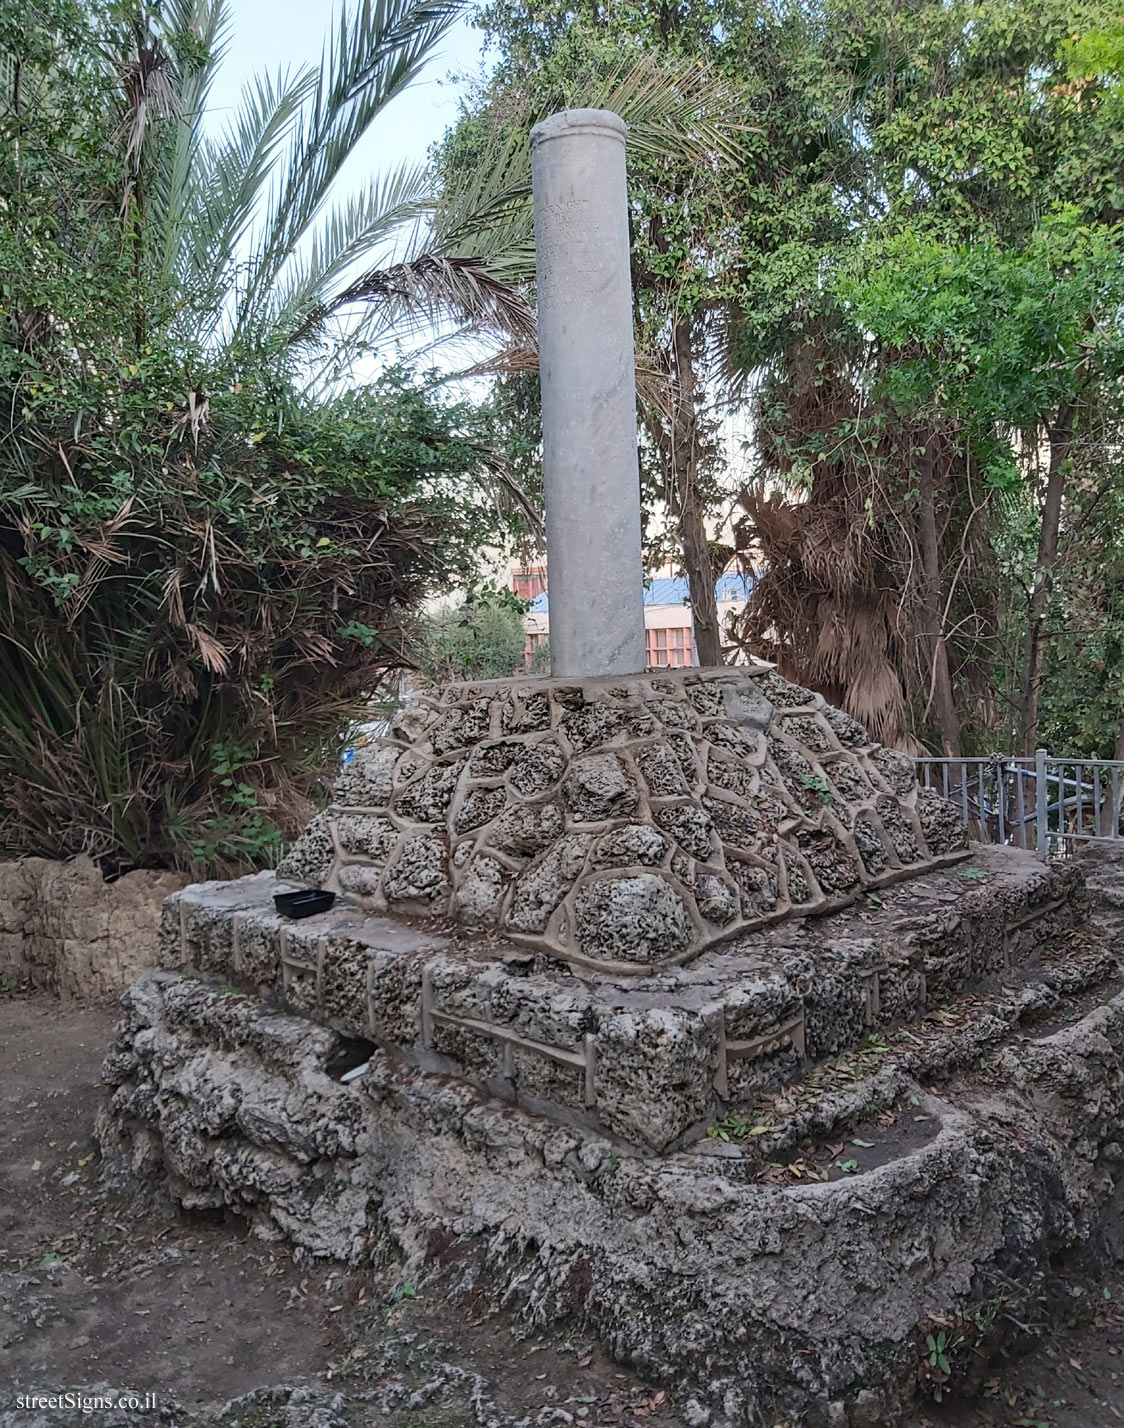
{"x": 655, "y": 1074}
{"x": 623, "y": 822}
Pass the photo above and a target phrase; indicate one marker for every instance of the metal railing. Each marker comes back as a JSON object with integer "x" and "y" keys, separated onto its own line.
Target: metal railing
{"x": 1046, "y": 804}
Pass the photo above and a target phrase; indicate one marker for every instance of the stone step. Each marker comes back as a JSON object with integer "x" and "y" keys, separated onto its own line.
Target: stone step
{"x": 651, "y": 1060}
{"x": 962, "y": 1045}
{"x": 814, "y": 1299}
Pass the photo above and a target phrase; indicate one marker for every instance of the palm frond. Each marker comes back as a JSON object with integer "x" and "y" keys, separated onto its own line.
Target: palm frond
{"x": 433, "y": 288}
{"x": 673, "y": 110}
{"x": 232, "y": 174}
{"x": 653, "y": 387}
{"x": 349, "y": 233}
{"x": 376, "y": 52}
{"x": 208, "y": 23}
{"x": 487, "y": 213}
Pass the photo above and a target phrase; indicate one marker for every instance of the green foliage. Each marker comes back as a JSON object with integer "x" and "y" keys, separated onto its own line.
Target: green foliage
{"x": 817, "y": 786}
{"x": 938, "y": 1347}
{"x": 1083, "y": 681}
{"x": 1098, "y": 55}
{"x": 990, "y": 337}
{"x": 948, "y": 352}
{"x": 480, "y": 637}
{"x": 209, "y": 563}
{"x": 730, "y": 1129}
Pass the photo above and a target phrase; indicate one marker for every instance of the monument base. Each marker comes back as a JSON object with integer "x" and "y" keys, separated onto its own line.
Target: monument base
{"x": 578, "y": 1035}
{"x": 649, "y": 1061}
{"x": 624, "y": 825}
{"x": 929, "y": 1179}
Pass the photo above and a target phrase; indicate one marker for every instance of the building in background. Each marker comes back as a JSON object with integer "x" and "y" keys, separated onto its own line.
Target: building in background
{"x": 527, "y": 581}
{"x": 667, "y": 614}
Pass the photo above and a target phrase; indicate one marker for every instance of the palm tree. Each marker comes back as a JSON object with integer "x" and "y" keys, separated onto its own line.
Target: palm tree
{"x": 245, "y": 227}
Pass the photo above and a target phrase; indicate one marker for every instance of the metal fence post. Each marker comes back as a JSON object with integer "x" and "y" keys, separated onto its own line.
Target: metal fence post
{"x": 1041, "y": 804}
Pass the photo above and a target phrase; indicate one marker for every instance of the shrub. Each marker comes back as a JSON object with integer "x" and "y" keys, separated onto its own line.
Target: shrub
{"x": 208, "y": 557}
{"x": 478, "y": 638}
{"x": 190, "y": 620}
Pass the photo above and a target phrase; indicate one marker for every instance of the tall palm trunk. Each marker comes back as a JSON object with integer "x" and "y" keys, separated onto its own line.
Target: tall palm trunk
{"x": 941, "y": 698}
{"x": 1060, "y": 434}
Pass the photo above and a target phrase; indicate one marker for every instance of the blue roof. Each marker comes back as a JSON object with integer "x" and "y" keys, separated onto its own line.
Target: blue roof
{"x": 672, "y": 590}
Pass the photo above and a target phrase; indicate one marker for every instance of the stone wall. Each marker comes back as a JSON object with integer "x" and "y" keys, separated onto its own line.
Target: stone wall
{"x": 63, "y": 928}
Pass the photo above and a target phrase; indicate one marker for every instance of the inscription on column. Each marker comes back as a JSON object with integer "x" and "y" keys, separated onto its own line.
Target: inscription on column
{"x": 571, "y": 243}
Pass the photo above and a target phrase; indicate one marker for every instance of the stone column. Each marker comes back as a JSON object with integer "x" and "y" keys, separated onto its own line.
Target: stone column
{"x": 595, "y": 574}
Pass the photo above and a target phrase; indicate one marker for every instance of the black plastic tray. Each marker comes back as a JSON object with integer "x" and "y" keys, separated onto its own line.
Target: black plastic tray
{"x": 304, "y": 903}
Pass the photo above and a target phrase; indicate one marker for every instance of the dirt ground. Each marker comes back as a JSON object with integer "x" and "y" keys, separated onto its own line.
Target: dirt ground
{"x": 96, "y": 1291}
{"x": 111, "y": 1292}
{"x": 1074, "y": 1379}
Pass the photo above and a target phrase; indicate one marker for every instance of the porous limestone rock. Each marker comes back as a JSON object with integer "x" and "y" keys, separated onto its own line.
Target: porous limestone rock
{"x": 759, "y": 1294}
{"x": 648, "y": 1055}
{"x": 632, "y": 919}
{"x": 64, "y": 928}
{"x": 714, "y": 802}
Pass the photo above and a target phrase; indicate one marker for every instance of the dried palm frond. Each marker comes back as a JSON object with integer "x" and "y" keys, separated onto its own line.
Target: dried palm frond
{"x": 652, "y": 384}
{"x": 836, "y": 603}
{"x": 434, "y": 287}
{"x": 150, "y": 93}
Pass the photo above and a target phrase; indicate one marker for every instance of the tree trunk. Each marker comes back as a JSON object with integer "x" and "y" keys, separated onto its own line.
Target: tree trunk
{"x": 681, "y": 446}
{"x": 941, "y": 697}
{"x": 1059, "y": 434}
{"x": 677, "y": 437}
{"x": 1108, "y": 824}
